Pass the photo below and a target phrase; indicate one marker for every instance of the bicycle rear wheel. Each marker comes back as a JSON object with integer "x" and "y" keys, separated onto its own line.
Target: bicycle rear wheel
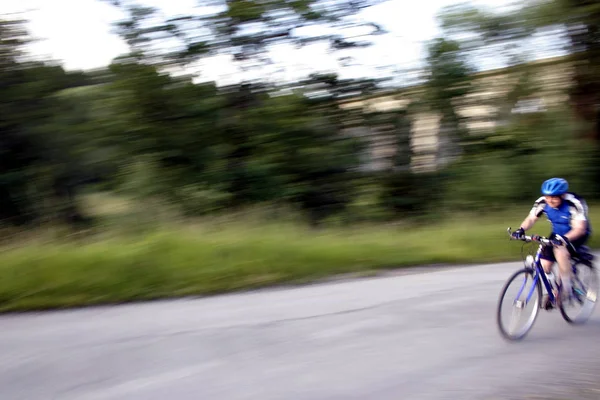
{"x": 528, "y": 293}
{"x": 580, "y": 307}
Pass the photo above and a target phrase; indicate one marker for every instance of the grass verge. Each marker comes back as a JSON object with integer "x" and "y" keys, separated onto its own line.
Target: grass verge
{"x": 216, "y": 258}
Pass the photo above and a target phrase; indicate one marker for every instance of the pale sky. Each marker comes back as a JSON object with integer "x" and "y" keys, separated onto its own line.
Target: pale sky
{"x": 78, "y": 34}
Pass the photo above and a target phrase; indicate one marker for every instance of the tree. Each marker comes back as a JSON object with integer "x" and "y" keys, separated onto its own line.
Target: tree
{"x": 26, "y": 107}
{"x": 252, "y": 142}
{"x": 578, "y": 21}
{"x": 245, "y": 30}
{"x": 575, "y": 23}
{"x": 448, "y": 80}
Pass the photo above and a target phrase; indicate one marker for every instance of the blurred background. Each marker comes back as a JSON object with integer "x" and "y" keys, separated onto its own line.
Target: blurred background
{"x": 130, "y": 117}
{"x": 328, "y": 107}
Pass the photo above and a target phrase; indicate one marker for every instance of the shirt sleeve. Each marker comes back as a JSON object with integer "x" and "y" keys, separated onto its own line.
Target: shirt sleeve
{"x": 578, "y": 213}
{"x": 538, "y": 207}
{"x": 578, "y": 209}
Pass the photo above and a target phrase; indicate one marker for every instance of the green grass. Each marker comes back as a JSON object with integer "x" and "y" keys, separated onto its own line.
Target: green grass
{"x": 214, "y": 257}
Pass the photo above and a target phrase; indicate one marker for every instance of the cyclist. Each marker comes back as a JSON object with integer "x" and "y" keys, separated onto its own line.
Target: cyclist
{"x": 568, "y": 214}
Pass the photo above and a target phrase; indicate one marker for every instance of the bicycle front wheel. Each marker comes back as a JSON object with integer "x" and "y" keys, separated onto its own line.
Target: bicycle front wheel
{"x": 520, "y": 292}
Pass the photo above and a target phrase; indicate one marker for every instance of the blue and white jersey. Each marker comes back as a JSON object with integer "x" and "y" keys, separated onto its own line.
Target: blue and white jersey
{"x": 572, "y": 208}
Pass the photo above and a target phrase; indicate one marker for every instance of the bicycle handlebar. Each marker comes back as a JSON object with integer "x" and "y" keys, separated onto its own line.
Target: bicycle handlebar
{"x": 535, "y": 238}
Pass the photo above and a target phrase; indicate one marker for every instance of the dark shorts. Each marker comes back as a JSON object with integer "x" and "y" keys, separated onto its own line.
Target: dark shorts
{"x": 548, "y": 252}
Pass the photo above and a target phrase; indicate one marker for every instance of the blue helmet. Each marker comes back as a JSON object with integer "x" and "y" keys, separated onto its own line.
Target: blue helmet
{"x": 555, "y": 187}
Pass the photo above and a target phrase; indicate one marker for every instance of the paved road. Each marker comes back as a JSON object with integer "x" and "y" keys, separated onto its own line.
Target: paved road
{"x": 418, "y": 336}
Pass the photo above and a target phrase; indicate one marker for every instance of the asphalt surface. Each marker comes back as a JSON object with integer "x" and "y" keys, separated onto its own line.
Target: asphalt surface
{"x": 428, "y": 335}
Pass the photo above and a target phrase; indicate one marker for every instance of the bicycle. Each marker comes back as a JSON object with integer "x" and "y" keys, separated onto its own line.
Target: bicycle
{"x": 584, "y": 295}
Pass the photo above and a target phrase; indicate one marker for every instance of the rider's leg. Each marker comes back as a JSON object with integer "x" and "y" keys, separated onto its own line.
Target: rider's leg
{"x": 547, "y": 260}
{"x": 563, "y": 257}
{"x": 547, "y": 265}
{"x": 564, "y": 263}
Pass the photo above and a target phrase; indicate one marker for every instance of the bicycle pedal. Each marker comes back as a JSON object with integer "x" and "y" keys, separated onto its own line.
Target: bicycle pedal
{"x": 546, "y": 304}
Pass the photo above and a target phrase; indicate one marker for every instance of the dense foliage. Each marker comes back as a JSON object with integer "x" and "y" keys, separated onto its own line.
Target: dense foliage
{"x": 135, "y": 129}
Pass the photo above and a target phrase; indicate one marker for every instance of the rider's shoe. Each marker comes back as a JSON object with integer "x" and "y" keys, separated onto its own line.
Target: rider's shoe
{"x": 546, "y": 303}
{"x": 567, "y": 299}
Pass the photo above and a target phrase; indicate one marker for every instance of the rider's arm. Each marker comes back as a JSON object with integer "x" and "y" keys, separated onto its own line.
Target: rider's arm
{"x": 578, "y": 228}
{"x": 529, "y": 222}
{"x": 536, "y": 211}
{"x": 578, "y": 220}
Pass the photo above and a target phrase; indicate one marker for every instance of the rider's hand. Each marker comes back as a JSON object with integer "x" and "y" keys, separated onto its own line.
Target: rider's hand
{"x": 518, "y": 234}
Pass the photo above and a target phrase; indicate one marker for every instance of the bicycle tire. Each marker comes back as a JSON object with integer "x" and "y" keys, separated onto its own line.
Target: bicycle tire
{"x": 590, "y": 296}
{"x": 529, "y": 273}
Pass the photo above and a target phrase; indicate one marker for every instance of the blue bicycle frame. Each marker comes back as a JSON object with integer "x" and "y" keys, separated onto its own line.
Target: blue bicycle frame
{"x": 538, "y": 271}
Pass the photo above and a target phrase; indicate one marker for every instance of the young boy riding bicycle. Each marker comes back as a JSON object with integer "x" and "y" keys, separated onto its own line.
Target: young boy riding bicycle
{"x": 568, "y": 214}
